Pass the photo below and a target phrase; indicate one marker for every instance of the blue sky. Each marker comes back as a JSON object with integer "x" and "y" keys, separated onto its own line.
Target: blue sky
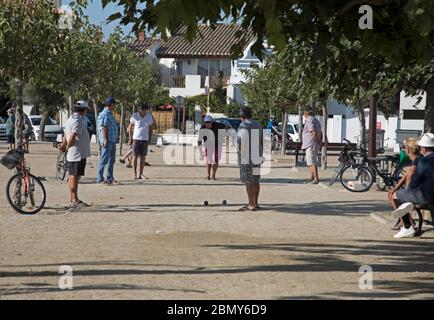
{"x": 98, "y": 16}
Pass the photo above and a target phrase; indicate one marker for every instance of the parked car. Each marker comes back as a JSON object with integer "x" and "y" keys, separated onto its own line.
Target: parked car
{"x": 292, "y": 130}
{"x": 51, "y": 128}
{"x": 3, "y": 128}
{"x": 234, "y": 122}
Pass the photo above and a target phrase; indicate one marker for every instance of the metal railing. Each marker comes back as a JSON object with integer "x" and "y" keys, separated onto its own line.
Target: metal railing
{"x": 173, "y": 81}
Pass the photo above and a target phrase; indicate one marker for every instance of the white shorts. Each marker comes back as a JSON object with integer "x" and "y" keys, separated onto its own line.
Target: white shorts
{"x": 312, "y": 155}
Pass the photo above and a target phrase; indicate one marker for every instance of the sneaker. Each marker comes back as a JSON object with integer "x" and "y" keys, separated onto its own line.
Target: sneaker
{"x": 129, "y": 166}
{"x": 402, "y": 210}
{"x": 122, "y": 161}
{"x": 405, "y": 233}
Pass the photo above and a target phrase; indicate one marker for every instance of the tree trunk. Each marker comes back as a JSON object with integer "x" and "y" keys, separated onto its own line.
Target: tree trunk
{"x": 325, "y": 115}
{"x": 429, "y": 108}
{"x": 70, "y": 102}
{"x": 121, "y": 138}
{"x": 19, "y": 117}
{"x": 284, "y": 124}
{"x": 313, "y": 106}
{"x": 43, "y": 122}
{"x": 362, "y": 121}
{"x": 95, "y": 110}
{"x": 373, "y": 126}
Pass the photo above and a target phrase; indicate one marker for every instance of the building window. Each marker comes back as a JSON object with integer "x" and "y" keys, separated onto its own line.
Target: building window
{"x": 413, "y": 114}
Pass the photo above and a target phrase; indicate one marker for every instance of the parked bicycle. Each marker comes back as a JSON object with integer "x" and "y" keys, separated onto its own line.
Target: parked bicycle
{"x": 359, "y": 174}
{"x": 24, "y": 192}
{"x": 61, "y": 164}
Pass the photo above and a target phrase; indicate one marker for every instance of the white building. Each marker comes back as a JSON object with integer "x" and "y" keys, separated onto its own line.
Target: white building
{"x": 188, "y": 69}
{"x": 343, "y": 121}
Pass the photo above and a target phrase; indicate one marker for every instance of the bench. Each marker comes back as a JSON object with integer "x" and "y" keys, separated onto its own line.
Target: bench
{"x": 419, "y": 208}
{"x": 332, "y": 149}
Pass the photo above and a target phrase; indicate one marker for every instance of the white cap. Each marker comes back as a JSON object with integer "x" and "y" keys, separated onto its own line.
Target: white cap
{"x": 427, "y": 140}
{"x": 81, "y": 104}
{"x": 208, "y": 118}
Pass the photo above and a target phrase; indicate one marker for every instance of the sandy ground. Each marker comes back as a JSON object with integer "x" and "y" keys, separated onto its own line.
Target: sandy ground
{"x": 155, "y": 239}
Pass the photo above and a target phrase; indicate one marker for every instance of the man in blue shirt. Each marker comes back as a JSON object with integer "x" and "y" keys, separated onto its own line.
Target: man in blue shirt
{"x": 107, "y": 136}
{"x": 10, "y": 129}
{"x": 421, "y": 189}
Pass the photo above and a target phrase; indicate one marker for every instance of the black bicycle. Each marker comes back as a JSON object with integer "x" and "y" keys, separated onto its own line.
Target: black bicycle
{"x": 386, "y": 170}
{"x": 24, "y": 192}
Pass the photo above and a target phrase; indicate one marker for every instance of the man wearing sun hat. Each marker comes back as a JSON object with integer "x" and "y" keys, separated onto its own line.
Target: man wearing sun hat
{"x": 421, "y": 189}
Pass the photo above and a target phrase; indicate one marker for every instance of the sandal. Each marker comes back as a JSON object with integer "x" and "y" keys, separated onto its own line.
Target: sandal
{"x": 246, "y": 208}
{"x": 83, "y": 204}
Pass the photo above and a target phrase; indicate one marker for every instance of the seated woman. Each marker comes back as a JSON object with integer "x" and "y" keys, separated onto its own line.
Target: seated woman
{"x": 413, "y": 152}
{"x": 421, "y": 188}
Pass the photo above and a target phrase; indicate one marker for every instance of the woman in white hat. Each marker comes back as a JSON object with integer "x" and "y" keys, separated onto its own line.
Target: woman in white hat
{"x": 421, "y": 189}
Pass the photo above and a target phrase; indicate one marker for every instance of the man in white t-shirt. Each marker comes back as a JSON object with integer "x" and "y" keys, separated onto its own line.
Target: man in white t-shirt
{"x": 76, "y": 142}
{"x": 141, "y": 124}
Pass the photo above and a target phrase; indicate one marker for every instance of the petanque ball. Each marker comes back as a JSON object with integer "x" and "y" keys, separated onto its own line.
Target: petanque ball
{"x": 205, "y": 203}
{"x": 224, "y": 202}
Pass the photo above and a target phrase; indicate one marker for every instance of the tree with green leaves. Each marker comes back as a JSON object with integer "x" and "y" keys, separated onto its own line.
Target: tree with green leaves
{"x": 29, "y": 38}
{"x": 402, "y": 29}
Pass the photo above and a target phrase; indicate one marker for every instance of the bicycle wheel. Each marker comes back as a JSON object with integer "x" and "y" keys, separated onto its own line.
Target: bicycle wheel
{"x": 357, "y": 179}
{"x": 61, "y": 167}
{"x": 25, "y": 197}
{"x": 337, "y": 174}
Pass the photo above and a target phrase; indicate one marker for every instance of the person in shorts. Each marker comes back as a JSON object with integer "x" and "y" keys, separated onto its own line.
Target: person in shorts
{"x": 250, "y": 153}
{"x": 10, "y": 129}
{"x": 212, "y": 135}
{"x": 76, "y": 143}
{"x": 312, "y": 137}
{"x": 141, "y": 123}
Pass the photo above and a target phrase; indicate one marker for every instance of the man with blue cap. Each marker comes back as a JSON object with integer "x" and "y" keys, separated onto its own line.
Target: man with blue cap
{"x": 107, "y": 136}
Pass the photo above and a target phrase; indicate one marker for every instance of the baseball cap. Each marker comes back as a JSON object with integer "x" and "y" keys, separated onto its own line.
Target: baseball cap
{"x": 109, "y": 101}
{"x": 208, "y": 118}
{"x": 81, "y": 104}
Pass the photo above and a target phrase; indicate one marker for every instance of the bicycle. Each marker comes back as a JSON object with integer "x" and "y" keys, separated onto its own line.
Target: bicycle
{"x": 361, "y": 176}
{"x": 61, "y": 164}
{"x": 25, "y": 193}
{"x": 346, "y": 158}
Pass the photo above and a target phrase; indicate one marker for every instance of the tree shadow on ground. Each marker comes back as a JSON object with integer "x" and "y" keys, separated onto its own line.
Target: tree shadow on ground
{"x": 37, "y": 288}
{"x": 360, "y": 208}
{"x": 391, "y": 257}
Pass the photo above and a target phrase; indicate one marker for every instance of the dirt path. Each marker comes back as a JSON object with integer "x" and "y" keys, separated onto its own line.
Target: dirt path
{"x": 156, "y": 240}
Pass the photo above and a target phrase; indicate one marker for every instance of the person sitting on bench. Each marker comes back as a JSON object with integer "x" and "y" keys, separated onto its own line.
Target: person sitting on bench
{"x": 412, "y": 153}
{"x": 421, "y": 188}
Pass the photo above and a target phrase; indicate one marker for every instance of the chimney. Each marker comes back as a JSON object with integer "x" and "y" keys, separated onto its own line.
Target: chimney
{"x": 141, "y": 36}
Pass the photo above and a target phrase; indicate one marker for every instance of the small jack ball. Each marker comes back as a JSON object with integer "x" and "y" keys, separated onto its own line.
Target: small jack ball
{"x": 224, "y": 202}
{"x": 205, "y": 203}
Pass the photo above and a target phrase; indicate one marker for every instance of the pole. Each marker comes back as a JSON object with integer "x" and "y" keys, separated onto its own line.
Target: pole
{"x": 373, "y": 126}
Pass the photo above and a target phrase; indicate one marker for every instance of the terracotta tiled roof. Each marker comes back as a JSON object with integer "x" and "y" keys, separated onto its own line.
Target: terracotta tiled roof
{"x": 210, "y": 42}
{"x": 140, "y": 46}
